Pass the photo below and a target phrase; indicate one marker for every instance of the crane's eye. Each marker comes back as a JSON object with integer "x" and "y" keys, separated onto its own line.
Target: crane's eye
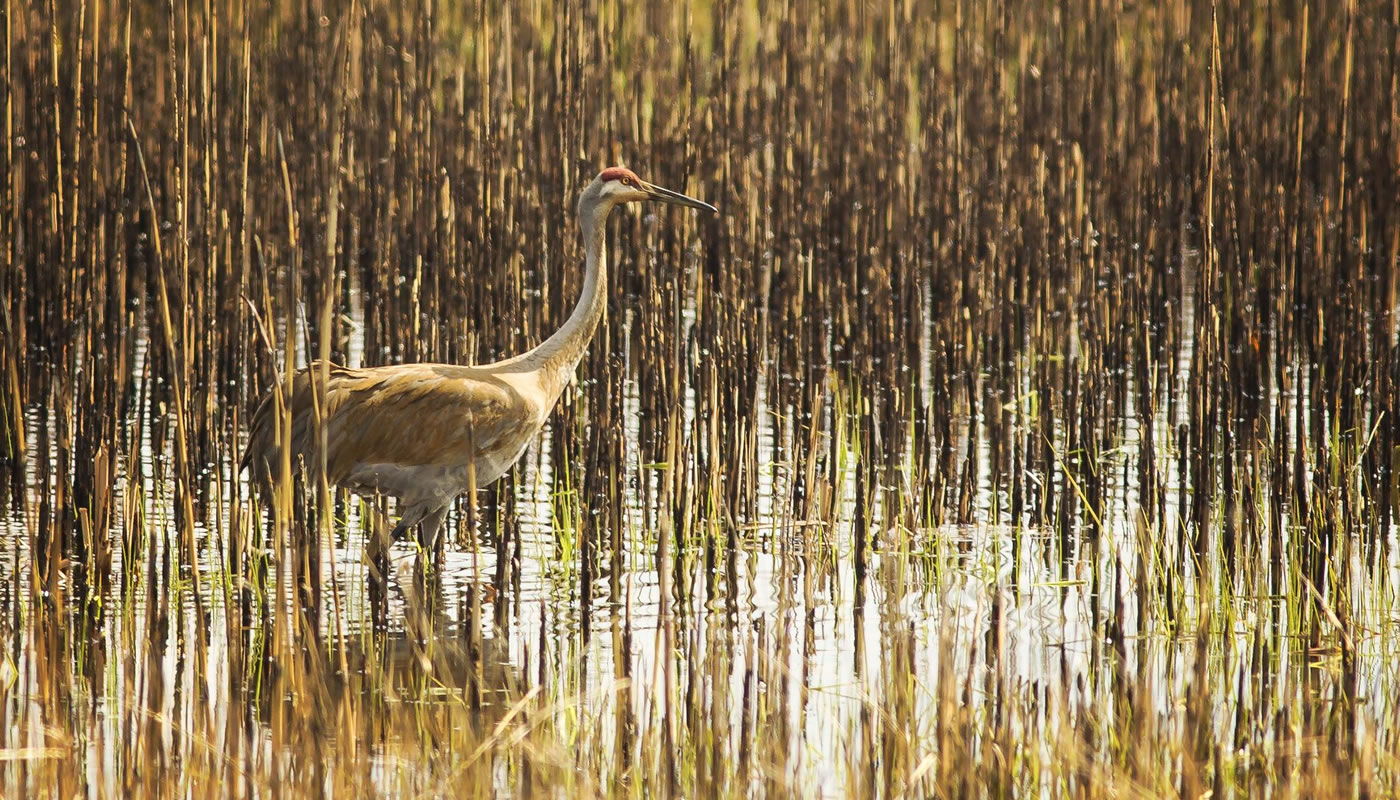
{"x": 626, "y": 181}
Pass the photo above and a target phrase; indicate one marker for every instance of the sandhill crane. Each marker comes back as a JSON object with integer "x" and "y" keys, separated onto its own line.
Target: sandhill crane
{"x": 413, "y": 431}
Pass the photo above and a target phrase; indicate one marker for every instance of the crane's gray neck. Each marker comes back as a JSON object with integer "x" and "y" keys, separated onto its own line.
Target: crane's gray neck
{"x": 558, "y": 356}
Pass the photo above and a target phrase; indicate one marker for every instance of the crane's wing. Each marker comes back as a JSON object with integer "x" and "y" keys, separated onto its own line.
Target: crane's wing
{"x": 406, "y": 415}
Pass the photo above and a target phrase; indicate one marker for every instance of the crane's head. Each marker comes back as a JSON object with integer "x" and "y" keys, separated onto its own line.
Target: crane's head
{"x": 617, "y": 185}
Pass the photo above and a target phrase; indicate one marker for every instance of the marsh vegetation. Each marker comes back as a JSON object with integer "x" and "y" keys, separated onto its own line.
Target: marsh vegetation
{"x": 1025, "y": 424}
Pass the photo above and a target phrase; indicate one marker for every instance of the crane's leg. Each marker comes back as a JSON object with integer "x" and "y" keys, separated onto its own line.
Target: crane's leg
{"x": 428, "y": 579}
{"x": 412, "y": 515}
{"x": 377, "y": 555}
{"x": 431, "y": 517}
{"x": 431, "y": 524}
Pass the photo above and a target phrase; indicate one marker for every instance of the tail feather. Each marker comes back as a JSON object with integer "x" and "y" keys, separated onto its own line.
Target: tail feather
{"x": 262, "y": 451}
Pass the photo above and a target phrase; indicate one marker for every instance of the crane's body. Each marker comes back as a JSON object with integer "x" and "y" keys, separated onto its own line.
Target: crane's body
{"x": 426, "y": 432}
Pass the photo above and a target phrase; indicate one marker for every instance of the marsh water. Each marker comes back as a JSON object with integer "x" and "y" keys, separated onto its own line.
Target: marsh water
{"x": 991, "y": 612}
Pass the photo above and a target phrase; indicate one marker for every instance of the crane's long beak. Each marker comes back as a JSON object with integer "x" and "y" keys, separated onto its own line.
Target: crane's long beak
{"x": 668, "y": 196}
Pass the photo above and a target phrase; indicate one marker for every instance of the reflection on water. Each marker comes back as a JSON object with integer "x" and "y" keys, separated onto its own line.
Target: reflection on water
{"x": 798, "y": 650}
